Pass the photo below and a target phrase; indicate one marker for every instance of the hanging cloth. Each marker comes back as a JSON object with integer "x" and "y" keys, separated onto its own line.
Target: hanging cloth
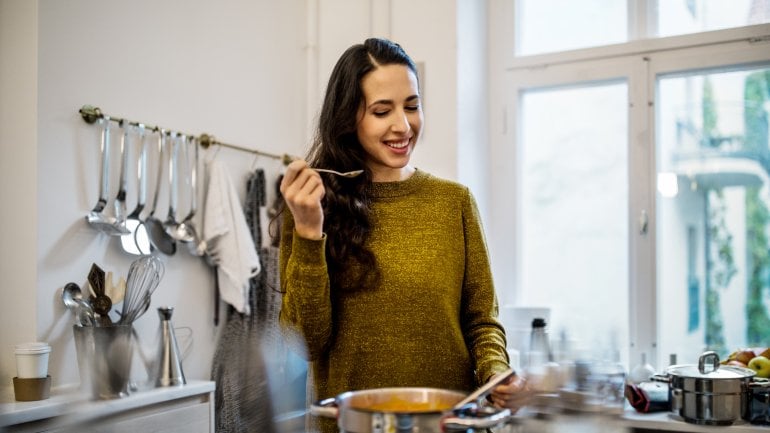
{"x": 228, "y": 241}
{"x": 243, "y": 400}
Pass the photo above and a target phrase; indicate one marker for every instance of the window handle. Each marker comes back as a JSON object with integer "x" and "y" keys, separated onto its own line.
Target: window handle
{"x": 643, "y": 222}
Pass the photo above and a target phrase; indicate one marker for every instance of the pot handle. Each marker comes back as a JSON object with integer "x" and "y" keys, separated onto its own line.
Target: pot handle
{"x": 704, "y": 358}
{"x": 676, "y": 400}
{"x": 326, "y": 408}
{"x": 493, "y": 419}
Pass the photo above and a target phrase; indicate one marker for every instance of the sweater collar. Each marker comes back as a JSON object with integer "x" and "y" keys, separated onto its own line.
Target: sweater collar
{"x": 398, "y": 188}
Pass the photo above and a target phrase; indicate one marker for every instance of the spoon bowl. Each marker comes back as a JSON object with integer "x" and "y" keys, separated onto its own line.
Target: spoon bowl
{"x": 72, "y": 297}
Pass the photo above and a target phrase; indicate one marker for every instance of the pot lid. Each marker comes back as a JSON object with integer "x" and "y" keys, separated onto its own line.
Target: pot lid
{"x": 709, "y": 368}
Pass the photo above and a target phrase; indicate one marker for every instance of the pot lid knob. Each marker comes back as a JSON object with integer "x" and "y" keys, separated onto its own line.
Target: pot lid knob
{"x": 707, "y": 357}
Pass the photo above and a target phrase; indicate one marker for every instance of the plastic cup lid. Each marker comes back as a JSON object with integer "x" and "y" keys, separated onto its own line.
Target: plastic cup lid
{"x": 32, "y": 348}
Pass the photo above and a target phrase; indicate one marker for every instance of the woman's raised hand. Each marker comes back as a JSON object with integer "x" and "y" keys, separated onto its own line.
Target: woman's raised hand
{"x": 303, "y": 189}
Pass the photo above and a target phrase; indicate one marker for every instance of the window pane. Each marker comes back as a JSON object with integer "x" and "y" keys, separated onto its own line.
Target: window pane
{"x": 691, "y": 16}
{"x": 713, "y": 218}
{"x": 557, "y": 25}
{"x": 574, "y": 213}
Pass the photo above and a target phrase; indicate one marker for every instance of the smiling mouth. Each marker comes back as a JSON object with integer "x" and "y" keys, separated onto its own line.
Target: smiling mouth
{"x": 397, "y": 144}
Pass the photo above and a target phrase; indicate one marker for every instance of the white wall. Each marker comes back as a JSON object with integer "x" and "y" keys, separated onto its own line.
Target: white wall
{"x": 231, "y": 68}
{"x": 250, "y": 72}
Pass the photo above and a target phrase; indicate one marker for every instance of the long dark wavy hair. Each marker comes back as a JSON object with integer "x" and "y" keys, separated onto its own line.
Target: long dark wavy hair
{"x": 346, "y": 205}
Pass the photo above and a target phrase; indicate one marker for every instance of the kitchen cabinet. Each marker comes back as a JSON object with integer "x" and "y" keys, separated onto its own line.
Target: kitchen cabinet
{"x": 183, "y": 409}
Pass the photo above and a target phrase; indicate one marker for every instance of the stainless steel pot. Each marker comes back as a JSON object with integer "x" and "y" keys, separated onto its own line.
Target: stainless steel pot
{"x": 407, "y": 410}
{"x": 708, "y": 393}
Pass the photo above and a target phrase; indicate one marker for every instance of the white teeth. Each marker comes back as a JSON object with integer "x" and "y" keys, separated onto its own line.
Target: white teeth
{"x": 397, "y": 144}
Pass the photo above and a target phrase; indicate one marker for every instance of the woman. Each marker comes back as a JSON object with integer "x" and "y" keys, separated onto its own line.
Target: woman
{"x": 386, "y": 275}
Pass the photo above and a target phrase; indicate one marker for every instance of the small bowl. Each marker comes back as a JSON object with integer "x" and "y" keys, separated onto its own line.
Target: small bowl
{"x": 32, "y": 389}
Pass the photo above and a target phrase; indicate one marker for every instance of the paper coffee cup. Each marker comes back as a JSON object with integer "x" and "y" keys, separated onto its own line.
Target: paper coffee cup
{"x": 32, "y": 360}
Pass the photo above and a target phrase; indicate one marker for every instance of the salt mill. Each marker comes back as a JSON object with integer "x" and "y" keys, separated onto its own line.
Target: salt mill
{"x": 169, "y": 363}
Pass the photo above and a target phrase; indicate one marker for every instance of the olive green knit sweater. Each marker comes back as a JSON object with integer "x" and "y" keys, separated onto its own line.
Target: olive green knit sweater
{"x": 432, "y": 322}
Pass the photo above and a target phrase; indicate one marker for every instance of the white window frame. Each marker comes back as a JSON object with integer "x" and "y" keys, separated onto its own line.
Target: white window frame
{"x": 639, "y": 63}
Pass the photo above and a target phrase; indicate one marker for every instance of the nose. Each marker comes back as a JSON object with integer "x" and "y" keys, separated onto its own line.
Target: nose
{"x": 401, "y": 123}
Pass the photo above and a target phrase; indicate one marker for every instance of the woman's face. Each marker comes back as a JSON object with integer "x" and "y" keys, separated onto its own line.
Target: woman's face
{"x": 389, "y": 121}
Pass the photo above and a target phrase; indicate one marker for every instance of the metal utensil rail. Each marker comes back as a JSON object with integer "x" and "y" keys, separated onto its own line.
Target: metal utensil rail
{"x": 91, "y": 114}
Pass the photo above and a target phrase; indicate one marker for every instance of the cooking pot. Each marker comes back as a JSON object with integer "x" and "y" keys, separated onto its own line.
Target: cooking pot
{"x": 710, "y": 393}
{"x": 407, "y": 410}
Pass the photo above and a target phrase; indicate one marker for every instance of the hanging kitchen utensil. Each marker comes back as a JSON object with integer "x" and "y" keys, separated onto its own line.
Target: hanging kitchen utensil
{"x": 194, "y": 245}
{"x": 96, "y": 218}
{"x": 120, "y": 200}
{"x": 171, "y": 225}
{"x": 137, "y": 242}
{"x": 158, "y": 236}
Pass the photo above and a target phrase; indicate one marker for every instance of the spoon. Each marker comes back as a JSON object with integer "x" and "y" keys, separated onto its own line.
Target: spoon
{"x": 97, "y": 219}
{"x": 484, "y": 390}
{"x": 347, "y": 174}
{"x": 72, "y": 298}
{"x": 137, "y": 242}
{"x": 158, "y": 236}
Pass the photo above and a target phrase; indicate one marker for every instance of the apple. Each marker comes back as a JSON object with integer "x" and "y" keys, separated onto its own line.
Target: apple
{"x": 736, "y": 363}
{"x": 765, "y": 353}
{"x": 760, "y": 364}
{"x": 745, "y": 356}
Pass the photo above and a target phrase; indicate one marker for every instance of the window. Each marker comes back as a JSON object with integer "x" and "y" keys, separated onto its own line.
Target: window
{"x": 691, "y": 16}
{"x": 574, "y": 183}
{"x": 559, "y": 25}
{"x": 548, "y": 26}
{"x": 712, "y": 233}
{"x": 636, "y": 176}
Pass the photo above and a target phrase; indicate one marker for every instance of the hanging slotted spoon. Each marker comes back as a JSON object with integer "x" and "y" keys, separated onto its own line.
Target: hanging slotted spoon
{"x": 96, "y": 218}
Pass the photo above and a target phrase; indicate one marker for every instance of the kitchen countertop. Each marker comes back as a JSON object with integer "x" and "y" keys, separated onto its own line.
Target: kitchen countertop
{"x": 671, "y": 422}
{"x": 78, "y": 407}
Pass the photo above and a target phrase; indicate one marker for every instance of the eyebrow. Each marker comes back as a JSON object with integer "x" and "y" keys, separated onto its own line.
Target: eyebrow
{"x": 390, "y": 101}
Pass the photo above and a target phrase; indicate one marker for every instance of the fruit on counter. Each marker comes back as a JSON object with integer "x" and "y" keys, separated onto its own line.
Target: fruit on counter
{"x": 760, "y": 364}
{"x": 744, "y": 356}
{"x": 736, "y": 363}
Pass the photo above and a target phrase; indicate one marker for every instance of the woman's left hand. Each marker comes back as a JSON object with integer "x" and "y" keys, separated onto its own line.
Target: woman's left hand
{"x": 512, "y": 394}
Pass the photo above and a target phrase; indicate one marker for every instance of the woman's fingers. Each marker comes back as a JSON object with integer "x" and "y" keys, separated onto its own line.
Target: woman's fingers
{"x": 512, "y": 395}
{"x": 303, "y": 190}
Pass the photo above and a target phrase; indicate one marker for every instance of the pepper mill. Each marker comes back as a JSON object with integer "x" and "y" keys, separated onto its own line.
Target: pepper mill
{"x": 169, "y": 363}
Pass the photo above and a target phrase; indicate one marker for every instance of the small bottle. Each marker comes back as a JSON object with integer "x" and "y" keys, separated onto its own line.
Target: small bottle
{"x": 539, "y": 346}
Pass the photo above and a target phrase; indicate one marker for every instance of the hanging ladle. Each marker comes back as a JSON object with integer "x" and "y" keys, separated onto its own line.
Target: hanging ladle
{"x": 194, "y": 242}
{"x": 158, "y": 236}
{"x": 137, "y": 242}
{"x": 96, "y": 218}
{"x": 174, "y": 228}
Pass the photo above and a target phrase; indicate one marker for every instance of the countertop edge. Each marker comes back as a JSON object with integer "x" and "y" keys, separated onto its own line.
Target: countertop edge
{"x": 72, "y": 403}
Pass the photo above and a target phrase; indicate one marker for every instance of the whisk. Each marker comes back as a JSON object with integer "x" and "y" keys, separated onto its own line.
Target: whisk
{"x": 143, "y": 277}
